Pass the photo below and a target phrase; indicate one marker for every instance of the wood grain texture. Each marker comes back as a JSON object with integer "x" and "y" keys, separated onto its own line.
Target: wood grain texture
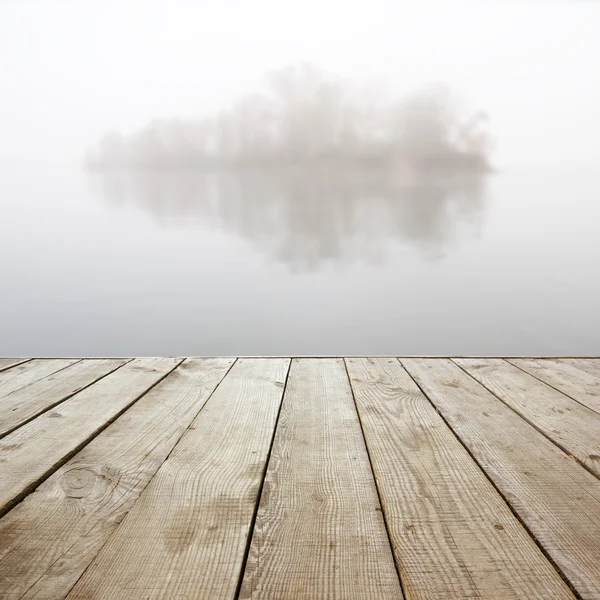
{"x": 7, "y": 363}
{"x": 26, "y": 403}
{"x": 49, "y": 539}
{"x": 453, "y": 535}
{"x": 319, "y": 531}
{"x": 33, "y": 451}
{"x": 24, "y": 374}
{"x": 186, "y": 536}
{"x": 577, "y": 383}
{"x": 574, "y": 427}
{"x": 556, "y": 498}
{"x": 589, "y": 365}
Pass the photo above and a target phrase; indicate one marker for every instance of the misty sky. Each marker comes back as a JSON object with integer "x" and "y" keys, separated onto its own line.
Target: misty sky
{"x": 72, "y": 70}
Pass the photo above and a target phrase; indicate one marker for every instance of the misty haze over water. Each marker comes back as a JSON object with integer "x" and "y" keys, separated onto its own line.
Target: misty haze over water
{"x": 397, "y": 186}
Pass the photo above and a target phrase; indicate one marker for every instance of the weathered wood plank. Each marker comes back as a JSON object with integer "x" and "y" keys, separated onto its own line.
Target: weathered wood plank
{"x": 589, "y": 365}
{"x": 556, "y": 498}
{"x": 576, "y": 383}
{"x": 7, "y": 363}
{"x": 186, "y": 535}
{"x": 24, "y": 404}
{"x": 28, "y": 373}
{"x": 319, "y": 530}
{"x": 574, "y": 427}
{"x": 32, "y": 452}
{"x": 453, "y": 535}
{"x": 49, "y": 539}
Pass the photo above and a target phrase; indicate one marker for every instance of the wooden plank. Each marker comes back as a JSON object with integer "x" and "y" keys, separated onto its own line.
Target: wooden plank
{"x": 29, "y": 454}
{"x": 186, "y": 535}
{"x": 49, "y": 539}
{"x": 589, "y": 365}
{"x": 24, "y": 404}
{"x": 28, "y": 373}
{"x": 576, "y": 383}
{"x": 7, "y": 363}
{"x": 574, "y": 427}
{"x": 319, "y": 530}
{"x": 453, "y": 535}
{"x": 557, "y": 499}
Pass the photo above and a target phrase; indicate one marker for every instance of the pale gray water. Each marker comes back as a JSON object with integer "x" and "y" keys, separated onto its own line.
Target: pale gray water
{"x": 178, "y": 264}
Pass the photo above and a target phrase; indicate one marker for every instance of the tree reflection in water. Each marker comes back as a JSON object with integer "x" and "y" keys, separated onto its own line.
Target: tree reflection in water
{"x": 307, "y": 216}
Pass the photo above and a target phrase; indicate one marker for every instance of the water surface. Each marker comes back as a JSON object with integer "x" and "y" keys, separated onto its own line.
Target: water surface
{"x": 174, "y": 263}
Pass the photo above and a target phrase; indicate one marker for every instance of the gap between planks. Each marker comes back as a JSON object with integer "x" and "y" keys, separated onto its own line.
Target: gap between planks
{"x": 8, "y": 363}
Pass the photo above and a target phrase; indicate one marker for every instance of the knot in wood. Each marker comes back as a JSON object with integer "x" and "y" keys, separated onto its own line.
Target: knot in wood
{"x": 78, "y": 482}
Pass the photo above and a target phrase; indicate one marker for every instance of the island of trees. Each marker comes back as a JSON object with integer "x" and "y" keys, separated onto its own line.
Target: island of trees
{"x": 306, "y": 119}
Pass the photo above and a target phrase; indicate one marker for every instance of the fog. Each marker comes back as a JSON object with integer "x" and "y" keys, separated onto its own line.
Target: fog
{"x": 72, "y": 71}
{"x": 315, "y": 177}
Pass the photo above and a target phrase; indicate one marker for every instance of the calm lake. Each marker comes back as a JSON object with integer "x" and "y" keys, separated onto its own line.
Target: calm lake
{"x": 184, "y": 264}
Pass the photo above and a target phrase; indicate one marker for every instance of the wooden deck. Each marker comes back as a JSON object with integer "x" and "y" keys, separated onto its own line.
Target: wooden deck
{"x": 321, "y": 478}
